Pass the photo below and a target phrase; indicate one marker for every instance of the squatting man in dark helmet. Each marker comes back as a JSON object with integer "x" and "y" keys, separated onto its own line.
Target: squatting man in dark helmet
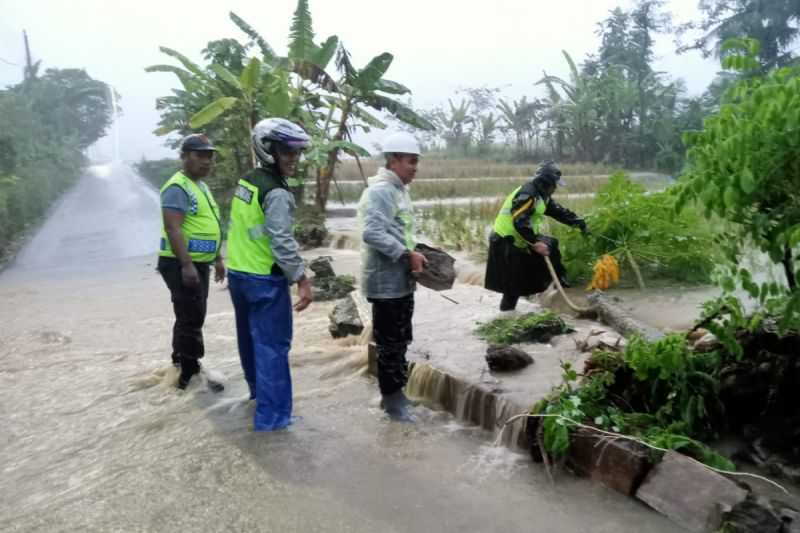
{"x": 190, "y": 244}
{"x": 263, "y": 261}
{"x": 388, "y": 261}
{"x": 517, "y": 247}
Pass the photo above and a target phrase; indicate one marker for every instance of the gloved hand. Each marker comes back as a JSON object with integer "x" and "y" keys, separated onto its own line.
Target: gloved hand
{"x": 581, "y": 225}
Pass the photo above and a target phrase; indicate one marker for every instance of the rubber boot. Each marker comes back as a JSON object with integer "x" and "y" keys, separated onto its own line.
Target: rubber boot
{"x": 189, "y": 367}
{"x": 397, "y": 406}
{"x": 508, "y": 302}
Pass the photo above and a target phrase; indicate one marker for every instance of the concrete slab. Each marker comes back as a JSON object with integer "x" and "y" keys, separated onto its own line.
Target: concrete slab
{"x": 689, "y": 493}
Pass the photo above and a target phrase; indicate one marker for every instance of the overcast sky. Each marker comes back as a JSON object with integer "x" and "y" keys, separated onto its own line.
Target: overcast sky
{"x": 438, "y": 45}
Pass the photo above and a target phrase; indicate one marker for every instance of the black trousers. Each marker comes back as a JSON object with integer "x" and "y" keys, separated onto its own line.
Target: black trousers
{"x": 189, "y": 305}
{"x": 391, "y": 328}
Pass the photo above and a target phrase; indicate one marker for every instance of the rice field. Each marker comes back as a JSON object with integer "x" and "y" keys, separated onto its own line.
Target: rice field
{"x": 441, "y": 168}
{"x": 442, "y": 189}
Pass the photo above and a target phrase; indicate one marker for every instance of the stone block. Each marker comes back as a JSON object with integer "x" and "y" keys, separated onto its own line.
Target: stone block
{"x": 689, "y": 494}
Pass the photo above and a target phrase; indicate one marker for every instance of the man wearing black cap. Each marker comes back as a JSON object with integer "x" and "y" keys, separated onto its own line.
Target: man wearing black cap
{"x": 515, "y": 266}
{"x": 190, "y": 242}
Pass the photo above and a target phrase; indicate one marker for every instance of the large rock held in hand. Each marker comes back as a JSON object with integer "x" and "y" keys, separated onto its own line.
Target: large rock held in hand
{"x": 506, "y": 358}
{"x": 439, "y": 273}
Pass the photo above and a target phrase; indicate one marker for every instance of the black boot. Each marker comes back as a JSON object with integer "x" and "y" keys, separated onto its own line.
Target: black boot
{"x": 509, "y": 302}
{"x": 397, "y": 406}
{"x": 189, "y": 367}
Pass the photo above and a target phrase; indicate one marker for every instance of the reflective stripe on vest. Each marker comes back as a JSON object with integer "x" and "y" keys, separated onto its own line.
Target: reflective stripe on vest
{"x": 200, "y": 228}
{"x": 249, "y": 248}
{"x": 504, "y": 223}
{"x": 405, "y": 215}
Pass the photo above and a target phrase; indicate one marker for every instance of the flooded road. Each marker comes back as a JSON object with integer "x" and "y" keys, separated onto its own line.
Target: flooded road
{"x": 97, "y": 438}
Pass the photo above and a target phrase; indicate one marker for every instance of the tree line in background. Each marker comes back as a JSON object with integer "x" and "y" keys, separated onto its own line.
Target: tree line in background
{"x": 48, "y": 120}
{"x": 614, "y": 107}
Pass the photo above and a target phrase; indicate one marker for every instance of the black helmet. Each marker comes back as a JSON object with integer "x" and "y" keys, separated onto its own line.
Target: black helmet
{"x": 548, "y": 173}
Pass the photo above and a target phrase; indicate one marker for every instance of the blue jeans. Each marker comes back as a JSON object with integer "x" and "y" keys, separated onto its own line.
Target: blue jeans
{"x": 263, "y": 311}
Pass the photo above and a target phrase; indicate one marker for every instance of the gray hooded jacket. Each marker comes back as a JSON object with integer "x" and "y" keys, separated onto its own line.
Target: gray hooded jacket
{"x": 386, "y": 223}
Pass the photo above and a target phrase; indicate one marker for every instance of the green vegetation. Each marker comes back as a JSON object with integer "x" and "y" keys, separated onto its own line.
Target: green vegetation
{"x": 659, "y": 392}
{"x": 743, "y": 169}
{"x": 742, "y": 177}
{"x": 625, "y": 220}
{"x": 530, "y": 327}
{"x": 48, "y": 120}
{"x": 642, "y": 231}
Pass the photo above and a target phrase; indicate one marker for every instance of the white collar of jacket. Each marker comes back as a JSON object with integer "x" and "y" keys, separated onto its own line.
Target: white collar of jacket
{"x": 384, "y": 174}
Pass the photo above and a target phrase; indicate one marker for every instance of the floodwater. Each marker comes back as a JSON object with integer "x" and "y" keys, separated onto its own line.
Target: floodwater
{"x": 97, "y": 438}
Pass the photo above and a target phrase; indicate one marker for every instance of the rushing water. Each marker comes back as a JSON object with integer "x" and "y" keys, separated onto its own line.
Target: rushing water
{"x": 97, "y": 438}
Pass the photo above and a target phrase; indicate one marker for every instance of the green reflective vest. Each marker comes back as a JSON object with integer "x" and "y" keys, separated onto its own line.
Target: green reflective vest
{"x": 201, "y": 228}
{"x": 249, "y": 248}
{"x": 504, "y": 223}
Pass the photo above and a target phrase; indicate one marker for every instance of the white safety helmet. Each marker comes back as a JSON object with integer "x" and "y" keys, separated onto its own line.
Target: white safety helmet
{"x": 280, "y": 131}
{"x": 400, "y": 143}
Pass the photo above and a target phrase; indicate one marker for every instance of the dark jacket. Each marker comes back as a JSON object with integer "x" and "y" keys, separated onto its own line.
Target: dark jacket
{"x": 527, "y": 196}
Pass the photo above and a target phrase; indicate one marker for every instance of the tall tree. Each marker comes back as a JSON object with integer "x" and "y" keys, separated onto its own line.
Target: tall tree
{"x": 773, "y": 23}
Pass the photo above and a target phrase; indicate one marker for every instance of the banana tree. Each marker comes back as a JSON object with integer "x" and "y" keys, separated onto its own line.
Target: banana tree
{"x": 359, "y": 89}
{"x": 487, "y": 126}
{"x": 578, "y": 112}
{"x": 454, "y": 124}
{"x": 519, "y": 116}
{"x": 309, "y": 83}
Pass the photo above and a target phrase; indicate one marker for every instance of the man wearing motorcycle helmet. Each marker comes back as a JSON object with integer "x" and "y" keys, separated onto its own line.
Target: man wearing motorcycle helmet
{"x": 263, "y": 261}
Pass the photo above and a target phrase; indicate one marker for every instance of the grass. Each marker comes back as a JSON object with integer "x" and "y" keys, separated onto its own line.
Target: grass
{"x": 530, "y": 327}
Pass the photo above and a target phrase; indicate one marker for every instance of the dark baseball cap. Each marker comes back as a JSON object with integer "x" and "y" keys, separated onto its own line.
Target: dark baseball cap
{"x": 197, "y": 142}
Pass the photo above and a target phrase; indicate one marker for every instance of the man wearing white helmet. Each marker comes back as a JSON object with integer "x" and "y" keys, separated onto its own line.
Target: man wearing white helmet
{"x": 263, "y": 261}
{"x": 388, "y": 261}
